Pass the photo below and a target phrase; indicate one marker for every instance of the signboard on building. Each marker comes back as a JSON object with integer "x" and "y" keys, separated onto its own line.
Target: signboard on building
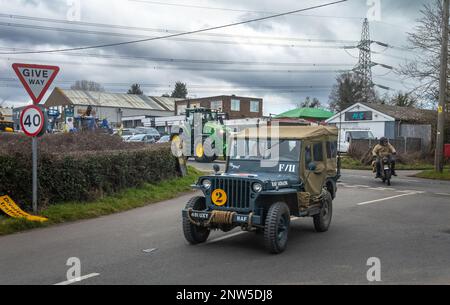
{"x": 359, "y": 116}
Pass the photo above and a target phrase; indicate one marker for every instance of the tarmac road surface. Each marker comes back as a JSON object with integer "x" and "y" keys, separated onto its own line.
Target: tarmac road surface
{"x": 406, "y": 226}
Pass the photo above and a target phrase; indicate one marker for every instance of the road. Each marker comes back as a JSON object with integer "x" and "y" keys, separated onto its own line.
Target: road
{"x": 406, "y": 226}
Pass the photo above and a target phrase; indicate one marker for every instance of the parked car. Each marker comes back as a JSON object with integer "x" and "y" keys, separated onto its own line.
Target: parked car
{"x": 164, "y": 139}
{"x": 149, "y": 131}
{"x": 144, "y": 138}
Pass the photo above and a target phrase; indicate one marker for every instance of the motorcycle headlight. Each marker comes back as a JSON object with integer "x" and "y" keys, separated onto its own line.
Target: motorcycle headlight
{"x": 207, "y": 184}
{"x": 257, "y": 187}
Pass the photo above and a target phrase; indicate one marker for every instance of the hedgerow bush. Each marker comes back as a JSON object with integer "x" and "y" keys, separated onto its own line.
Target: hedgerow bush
{"x": 80, "y": 167}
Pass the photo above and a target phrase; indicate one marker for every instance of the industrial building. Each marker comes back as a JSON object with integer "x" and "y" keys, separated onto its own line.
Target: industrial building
{"x": 111, "y": 106}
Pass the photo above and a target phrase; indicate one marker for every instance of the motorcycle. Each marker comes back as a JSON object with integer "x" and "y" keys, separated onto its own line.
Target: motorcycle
{"x": 386, "y": 170}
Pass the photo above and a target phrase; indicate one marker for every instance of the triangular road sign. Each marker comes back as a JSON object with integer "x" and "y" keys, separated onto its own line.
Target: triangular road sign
{"x": 36, "y": 79}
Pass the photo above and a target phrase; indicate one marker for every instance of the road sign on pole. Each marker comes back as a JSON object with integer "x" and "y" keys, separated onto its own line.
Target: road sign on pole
{"x": 36, "y": 79}
{"x": 32, "y": 121}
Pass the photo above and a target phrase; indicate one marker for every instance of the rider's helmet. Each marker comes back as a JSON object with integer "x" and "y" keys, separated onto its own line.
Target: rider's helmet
{"x": 384, "y": 141}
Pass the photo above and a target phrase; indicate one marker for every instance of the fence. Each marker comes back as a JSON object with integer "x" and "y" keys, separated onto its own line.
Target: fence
{"x": 360, "y": 148}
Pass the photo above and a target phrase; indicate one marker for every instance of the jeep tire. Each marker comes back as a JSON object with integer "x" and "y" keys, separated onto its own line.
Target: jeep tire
{"x": 195, "y": 234}
{"x": 276, "y": 228}
{"x": 322, "y": 220}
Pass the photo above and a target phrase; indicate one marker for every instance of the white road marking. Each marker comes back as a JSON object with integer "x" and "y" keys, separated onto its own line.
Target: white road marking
{"x": 149, "y": 251}
{"x": 226, "y": 237}
{"x": 77, "y": 280}
{"x": 388, "y": 198}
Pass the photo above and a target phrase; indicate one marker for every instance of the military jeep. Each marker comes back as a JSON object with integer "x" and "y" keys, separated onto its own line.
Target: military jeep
{"x": 272, "y": 174}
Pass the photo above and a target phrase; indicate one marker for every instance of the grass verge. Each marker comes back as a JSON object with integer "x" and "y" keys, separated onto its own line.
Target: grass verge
{"x": 431, "y": 174}
{"x": 123, "y": 201}
{"x": 349, "y": 163}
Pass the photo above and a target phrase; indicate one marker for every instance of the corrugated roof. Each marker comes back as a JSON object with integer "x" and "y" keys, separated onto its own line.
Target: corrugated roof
{"x": 103, "y": 99}
{"x": 167, "y": 102}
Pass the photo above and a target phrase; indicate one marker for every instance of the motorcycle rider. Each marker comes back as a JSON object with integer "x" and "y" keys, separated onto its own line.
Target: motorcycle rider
{"x": 384, "y": 149}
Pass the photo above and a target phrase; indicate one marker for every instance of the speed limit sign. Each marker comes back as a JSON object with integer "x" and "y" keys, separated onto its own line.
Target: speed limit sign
{"x": 32, "y": 121}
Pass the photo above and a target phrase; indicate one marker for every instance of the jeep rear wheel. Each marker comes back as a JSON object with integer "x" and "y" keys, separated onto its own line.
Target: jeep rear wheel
{"x": 276, "y": 229}
{"x": 322, "y": 220}
{"x": 195, "y": 234}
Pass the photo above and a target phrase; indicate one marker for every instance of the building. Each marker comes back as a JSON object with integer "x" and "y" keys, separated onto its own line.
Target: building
{"x": 111, "y": 106}
{"x": 235, "y": 106}
{"x": 6, "y": 114}
{"x": 388, "y": 121}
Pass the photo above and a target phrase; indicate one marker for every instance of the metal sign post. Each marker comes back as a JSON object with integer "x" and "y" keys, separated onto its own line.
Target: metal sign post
{"x": 35, "y": 176}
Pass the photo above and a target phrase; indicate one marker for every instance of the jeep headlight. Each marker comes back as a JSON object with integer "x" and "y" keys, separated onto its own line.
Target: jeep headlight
{"x": 206, "y": 184}
{"x": 257, "y": 187}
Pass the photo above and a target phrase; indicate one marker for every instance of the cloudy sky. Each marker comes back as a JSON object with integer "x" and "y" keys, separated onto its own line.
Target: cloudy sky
{"x": 282, "y": 60}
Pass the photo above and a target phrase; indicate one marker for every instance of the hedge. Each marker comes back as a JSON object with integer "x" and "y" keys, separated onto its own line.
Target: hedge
{"x": 85, "y": 175}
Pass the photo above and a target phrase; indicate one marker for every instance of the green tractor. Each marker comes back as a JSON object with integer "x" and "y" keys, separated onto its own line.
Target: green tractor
{"x": 202, "y": 135}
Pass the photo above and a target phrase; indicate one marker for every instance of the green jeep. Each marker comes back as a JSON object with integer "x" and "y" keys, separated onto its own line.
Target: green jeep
{"x": 272, "y": 174}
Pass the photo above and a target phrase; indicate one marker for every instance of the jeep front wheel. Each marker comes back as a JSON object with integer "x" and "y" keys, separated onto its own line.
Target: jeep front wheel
{"x": 276, "y": 228}
{"x": 195, "y": 234}
{"x": 322, "y": 220}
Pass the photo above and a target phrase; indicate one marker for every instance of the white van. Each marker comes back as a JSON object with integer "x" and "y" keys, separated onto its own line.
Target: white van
{"x": 347, "y": 135}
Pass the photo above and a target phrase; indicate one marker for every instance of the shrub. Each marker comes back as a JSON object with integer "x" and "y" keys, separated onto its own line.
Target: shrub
{"x": 80, "y": 167}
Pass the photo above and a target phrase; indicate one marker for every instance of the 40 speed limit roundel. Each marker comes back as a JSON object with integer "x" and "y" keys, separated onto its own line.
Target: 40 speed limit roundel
{"x": 32, "y": 121}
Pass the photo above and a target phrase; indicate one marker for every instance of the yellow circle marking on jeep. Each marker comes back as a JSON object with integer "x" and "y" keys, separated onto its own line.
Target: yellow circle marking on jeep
{"x": 219, "y": 197}
{"x": 199, "y": 150}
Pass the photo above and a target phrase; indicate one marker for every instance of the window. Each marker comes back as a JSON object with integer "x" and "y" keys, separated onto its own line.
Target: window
{"x": 235, "y": 105}
{"x": 308, "y": 155}
{"x": 216, "y": 105}
{"x": 318, "y": 152}
{"x": 254, "y": 106}
{"x": 331, "y": 150}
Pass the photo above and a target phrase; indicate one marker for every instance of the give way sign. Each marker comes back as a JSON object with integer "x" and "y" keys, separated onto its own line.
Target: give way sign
{"x": 36, "y": 79}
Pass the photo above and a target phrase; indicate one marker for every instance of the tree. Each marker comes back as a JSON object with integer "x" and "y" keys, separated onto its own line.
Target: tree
{"x": 426, "y": 41}
{"x": 180, "y": 90}
{"x": 315, "y": 103}
{"x": 347, "y": 91}
{"x": 403, "y": 100}
{"x": 135, "y": 89}
{"x": 86, "y": 85}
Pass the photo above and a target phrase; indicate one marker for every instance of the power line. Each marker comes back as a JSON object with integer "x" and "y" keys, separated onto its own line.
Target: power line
{"x": 122, "y": 27}
{"x": 197, "y": 61}
{"x": 181, "y": 34}
{"x": 196, "y": 40}
{"x": 236, "y": 10}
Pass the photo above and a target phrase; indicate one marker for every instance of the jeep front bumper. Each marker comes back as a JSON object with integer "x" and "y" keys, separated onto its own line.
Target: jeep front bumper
{"x": 204, "y": 217}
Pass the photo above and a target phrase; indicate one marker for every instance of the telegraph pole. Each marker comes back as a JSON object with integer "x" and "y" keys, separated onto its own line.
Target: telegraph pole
{"x": 439, "y": 158}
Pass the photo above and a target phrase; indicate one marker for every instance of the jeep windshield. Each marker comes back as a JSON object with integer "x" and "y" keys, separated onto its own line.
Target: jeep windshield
{"x": 272, "y": 156}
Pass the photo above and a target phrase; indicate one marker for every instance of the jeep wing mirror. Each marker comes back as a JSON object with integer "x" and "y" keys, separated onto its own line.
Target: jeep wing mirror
{"x": 216, "y": 168}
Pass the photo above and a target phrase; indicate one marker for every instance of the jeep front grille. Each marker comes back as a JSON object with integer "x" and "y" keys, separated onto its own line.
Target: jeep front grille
{"x": 238, "y": 192}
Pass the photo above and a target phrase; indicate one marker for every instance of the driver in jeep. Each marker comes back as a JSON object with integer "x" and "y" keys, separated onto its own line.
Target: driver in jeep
{"x": 384, "y": 149}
